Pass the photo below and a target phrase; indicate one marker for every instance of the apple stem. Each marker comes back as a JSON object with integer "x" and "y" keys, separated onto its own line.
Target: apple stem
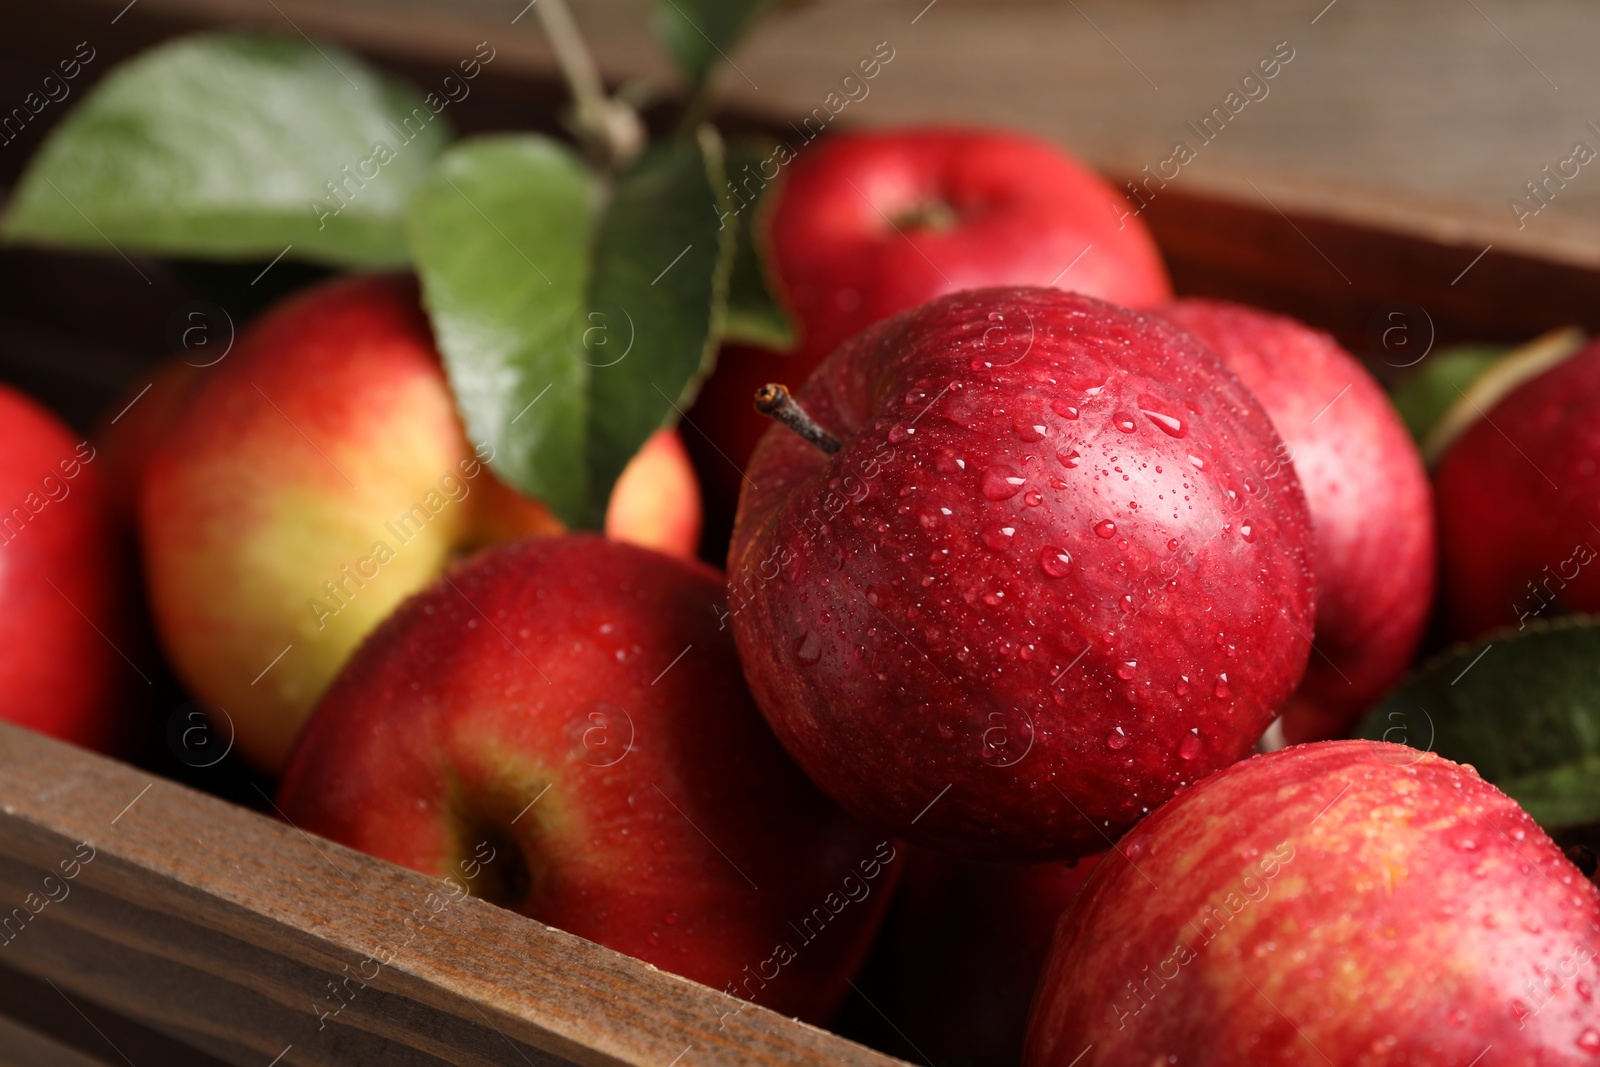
{"x": 773, "y": 400}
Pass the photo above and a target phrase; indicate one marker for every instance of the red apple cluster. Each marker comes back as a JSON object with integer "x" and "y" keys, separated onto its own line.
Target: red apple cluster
{"x": 1029, "y": 562}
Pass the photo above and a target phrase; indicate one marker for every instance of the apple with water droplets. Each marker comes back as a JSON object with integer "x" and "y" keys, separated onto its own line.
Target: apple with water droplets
{"x": 1025, "y": 580}
{"x": 868, "y": 224}
{"x": 559, "y": 726}
{"x": 1369, "y": 498}
{"x": 1346, "y": 902}
{"x": 1519, "y": 503}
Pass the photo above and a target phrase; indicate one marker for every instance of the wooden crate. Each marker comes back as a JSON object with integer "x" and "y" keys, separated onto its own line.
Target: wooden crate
{"x": 202, "y": 932}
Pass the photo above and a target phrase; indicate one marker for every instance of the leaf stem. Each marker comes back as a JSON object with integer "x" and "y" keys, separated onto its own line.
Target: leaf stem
{"x": 609, "y": 128}
{"x": 773, "y": 400}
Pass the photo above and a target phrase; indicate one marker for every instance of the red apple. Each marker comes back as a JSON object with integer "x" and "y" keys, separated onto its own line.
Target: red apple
{"x": 967, "y": 940}
{"x": 1370, "y": 505}
{"x": 64, "y": 625}
{"x": 1344, "y": 902}
{"x": 867, "y": 225}
{"x": 571, "y": 706}
{"x": 1519, "y": 498}
{"x": 313, "y": 479}
{"x": 1042, "y": 584}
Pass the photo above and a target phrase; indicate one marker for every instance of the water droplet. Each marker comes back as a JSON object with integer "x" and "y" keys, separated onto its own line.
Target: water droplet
{"x": 1198, "y": 462}
{"x": 998, "y": 536}
{"x": 1105, "y": 528}
{"x": 1124, "y": 422}
{"x": 1064, "y": 409}
{"x": 897, "y": 434}
{"x": 670, "y": 918}
{"x": 1222, "y": 690}
{"x": 1001, "y": 482}
{"x": 1069, "y": 458}
{"x": 1055, "y": 562}
{"x": 946, "y": 462}
{"x": 1247, "y": 530}
{"x": 1171, "y": 425}
{"x": 1127, "y": 669}
{"x": 1191, "y": 748}
{"x": 1589, "y": 1040}
{"x": 1182, "y": 688}
{"x": 1116, "y": 739}
{"x": 1172, "y": 545}
{"x": 1029, "y": 428}
{"x": 1032, "y": 498}
{"x": 808, "y": 649}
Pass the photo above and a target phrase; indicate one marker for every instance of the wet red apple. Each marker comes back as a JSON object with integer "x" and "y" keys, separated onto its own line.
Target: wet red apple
{"x": 565, "y": 717}
{"x": 1040, "y": 584}
{"x": 1370, "y": 502}
{"x": 64, "y": 611}
{"x": 865, "y": 225}
{"x": 1344, "y": 902}
{"x": 1519, "y": 499}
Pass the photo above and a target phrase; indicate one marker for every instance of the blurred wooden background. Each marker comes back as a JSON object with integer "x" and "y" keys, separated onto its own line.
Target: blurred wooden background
{"x": 1417, "y": 122}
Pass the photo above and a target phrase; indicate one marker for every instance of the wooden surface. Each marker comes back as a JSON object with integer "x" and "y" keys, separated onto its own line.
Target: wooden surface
{"x": 1424, "y": 117}
{"x": 201, "y": 923}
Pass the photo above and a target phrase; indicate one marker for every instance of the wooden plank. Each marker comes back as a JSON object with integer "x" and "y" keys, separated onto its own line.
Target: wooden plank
{"x": 1351, "y": 279}
{"x": 41, "y": 1023}
{"x": 223, "y": 930}
{"x": 1425, "y": 117}
{"x": 23, "y": 1046}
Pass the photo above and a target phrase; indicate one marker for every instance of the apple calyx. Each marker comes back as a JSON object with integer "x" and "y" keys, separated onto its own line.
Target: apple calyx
{"x": 773, "y": 400}
{"x": 929, "y": 215}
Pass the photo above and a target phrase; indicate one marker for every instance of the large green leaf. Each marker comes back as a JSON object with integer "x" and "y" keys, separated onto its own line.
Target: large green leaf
{"x": 699, "y": 33}
{"x": 662, "y": 259}
{"x": 234, "y": 145}
{"x": 501, "y": 233}
{"x": 572, "y": 334}
{"x": 1523, "y": 707}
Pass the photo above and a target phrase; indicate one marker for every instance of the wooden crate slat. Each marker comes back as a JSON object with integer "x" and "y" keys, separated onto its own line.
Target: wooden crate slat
{"x": 220, "y": 927}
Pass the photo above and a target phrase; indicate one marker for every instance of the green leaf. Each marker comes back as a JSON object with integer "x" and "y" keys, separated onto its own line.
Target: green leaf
{"x": 1425, "y": 396}
{"x": 234, "y": 145}
{"x": 501, "y": 236}
{"x": 754, "y": 313}
{"x": 662, "y": 259}
{"x": 697, "y": 33}
{"x": 1522, "y": 707}
{"x": 570, "y": 333}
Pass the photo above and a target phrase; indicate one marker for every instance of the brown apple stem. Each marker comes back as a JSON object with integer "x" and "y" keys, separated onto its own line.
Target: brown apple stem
{"x": 773, "y": 401}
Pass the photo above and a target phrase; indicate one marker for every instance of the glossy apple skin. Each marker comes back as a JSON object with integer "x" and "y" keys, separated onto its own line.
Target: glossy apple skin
{"x": 897, "y": 605}
{"x": 656, "y": 501}
{"x": 847, "y": 253}
{"x": 1519, "y": 497}
{"x": 61, "y": 580}
{"x": 1363, "y": 901}
{"x": 1371, "y": 505}
{"x": 967, "y": 940}
{"x": 555, "y": 664}
{"x": 289, "y": 464}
